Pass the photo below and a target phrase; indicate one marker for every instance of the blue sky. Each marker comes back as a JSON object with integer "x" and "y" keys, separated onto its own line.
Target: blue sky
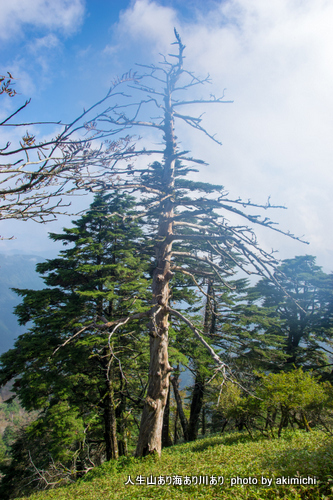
{"x": 274, "y": 59}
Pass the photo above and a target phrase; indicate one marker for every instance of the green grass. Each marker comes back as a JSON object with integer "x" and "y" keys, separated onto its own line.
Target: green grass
{"x": 235, "y": 454}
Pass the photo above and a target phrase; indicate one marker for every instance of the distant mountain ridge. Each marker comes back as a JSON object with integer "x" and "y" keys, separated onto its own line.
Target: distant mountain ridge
{"x": 16, "y": 271}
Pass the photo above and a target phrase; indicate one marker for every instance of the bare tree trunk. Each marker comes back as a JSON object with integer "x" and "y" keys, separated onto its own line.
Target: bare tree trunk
{"x": 180, "y": 411}
{"x": 150, "y": 435}
{"x": 110, "y": 423}
{"x": 121, "y": 422}
{"x": 306, "y": 423}
{"x": 224, "y": 425}
{"x": 203, "y": 428}
{"x": 210, "y": 318}
{"x": 284, "y": 420}
{"x": 196, "y": 406}
{"x": 166, "y": 438}
{"x": 109, "y": 407}
{"x": 199, "y": 384}
{"x": 175, "y": 431}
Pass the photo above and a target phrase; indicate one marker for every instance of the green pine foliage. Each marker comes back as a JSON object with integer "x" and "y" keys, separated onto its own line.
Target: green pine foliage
{"x": 274, "y": 327}
{"x": 299, "y": 312}
{"x": 86, "y": 380}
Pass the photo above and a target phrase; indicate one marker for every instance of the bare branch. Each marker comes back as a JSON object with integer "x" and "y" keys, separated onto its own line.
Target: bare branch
{"x": 198, "y": 336}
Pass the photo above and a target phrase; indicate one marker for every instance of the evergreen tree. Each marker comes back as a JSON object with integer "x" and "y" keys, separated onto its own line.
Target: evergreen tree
{"x": 299, "y": 312}
{"x": 71, "y": 357}
{"x": 244, "y": 332}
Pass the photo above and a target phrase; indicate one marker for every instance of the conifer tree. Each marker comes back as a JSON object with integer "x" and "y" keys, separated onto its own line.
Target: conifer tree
{"x": 242, "y": 331}
{"x": 299, "y": 312}
{"x": 65, "y": 358}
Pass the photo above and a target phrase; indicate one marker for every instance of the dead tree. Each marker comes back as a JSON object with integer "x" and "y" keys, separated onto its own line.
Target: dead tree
{"x": 37, "y": 177}
{"x": 188, "y": 221}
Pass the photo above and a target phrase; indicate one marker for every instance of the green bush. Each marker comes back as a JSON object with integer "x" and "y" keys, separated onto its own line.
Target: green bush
{"x": 294, "y": 398}
{"x": 297, "y": 397}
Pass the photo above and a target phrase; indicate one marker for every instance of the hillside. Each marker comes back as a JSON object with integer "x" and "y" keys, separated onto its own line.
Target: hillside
{"x": 235, "y": 457}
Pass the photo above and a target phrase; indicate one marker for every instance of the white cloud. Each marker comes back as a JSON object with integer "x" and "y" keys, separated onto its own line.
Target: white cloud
{"x": 148, "y": 20}
{"x": 275, "y": 58}
{"x": 63, "y": 15}
{"x": 144, "y": 23}
{"x": 49, "y": 41}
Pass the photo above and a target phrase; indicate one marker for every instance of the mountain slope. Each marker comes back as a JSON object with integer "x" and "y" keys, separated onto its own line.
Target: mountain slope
{"x": 234, "y": 456}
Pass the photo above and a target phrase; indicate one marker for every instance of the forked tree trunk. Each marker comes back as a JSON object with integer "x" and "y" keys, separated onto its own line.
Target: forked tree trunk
{"x": 180, "y": 411}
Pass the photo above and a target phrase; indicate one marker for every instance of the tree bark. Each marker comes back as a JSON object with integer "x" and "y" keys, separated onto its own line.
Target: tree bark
{"x": 196, "y": 406}
{"x": 284, "y": 420}
{"x": 199, "y": 384}
{"x": 166, "y": 438}
{"x": 150, "y": 435}
{"x": 203, "y": 427}
{"x": 121, "y": 423}
{"x": 175, "y": 431}
{"x": 110, "y": 423}
{"x": 109, "y": 407}
{"x": 210, "y": 318}
{"x": 180, "y": 411}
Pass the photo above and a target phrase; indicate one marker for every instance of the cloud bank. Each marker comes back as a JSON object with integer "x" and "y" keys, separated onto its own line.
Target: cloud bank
{"x": 63, "y": 15}
{"x": 275, "y": 58}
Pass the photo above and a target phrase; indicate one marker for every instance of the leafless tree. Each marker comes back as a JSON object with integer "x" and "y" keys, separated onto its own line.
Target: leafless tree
{"x": 37, "y": 176}
{"x": 189, "y": 221}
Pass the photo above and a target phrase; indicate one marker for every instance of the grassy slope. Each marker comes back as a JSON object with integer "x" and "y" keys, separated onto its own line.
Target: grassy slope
{"x": 229, "y": 455}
